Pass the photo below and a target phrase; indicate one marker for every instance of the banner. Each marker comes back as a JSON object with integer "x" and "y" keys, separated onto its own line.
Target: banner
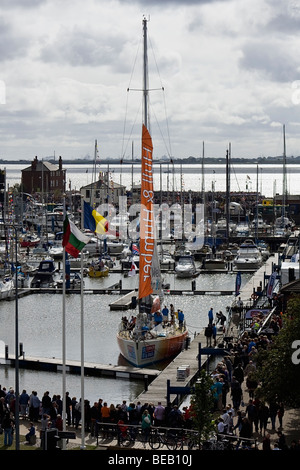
{"x": 271, "y": 284}
{"x": 238, "y": 282}
{"x": 147, "y": 217}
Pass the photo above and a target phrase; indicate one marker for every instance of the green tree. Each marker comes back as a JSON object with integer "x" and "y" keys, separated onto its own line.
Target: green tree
{"x": 202, "y": 406}
{"x": 278, "y": 371}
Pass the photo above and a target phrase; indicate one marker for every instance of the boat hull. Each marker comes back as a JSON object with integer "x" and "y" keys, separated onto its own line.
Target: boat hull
{"x": 29, "y": 243}
{"x": 246, "y": 265}
{"x": 185, "y": 274}
{"x": 147, "y": 352}
{"x": 104, "y": 272}
{"x": 215, "y": 264}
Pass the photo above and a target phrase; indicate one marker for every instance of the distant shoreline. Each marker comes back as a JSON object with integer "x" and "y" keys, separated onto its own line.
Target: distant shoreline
{"x": 185, "y": 161}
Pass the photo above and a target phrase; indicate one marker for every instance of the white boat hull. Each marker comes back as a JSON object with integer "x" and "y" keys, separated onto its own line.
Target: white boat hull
{"x": 147, "y": 352}
{"x": 248, "y": 257}
{"x": 185, "y": 272}
{"x": 249, "y": 265}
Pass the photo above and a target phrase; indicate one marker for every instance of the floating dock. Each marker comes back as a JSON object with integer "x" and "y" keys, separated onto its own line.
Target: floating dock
{"x": 125, "y": 302}
{"x": 74, "y": 367}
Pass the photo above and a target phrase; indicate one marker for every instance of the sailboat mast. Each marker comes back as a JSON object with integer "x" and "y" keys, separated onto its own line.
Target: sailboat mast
{"x": 145, "y": 76}
{"x": 228, "y": 157}
{"x": 202, "y": 181}
{"x": 284, "y": 177}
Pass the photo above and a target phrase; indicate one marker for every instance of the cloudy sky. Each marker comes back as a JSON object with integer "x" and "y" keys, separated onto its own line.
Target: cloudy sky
{"x": 229, "y": 70}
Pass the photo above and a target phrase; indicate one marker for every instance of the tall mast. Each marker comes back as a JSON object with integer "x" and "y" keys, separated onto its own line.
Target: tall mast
{"x": 284, "y": 177}
{"x": 228, "y": 157}
{"x": 145, "y": 76}
{"x": 202, "y": 182}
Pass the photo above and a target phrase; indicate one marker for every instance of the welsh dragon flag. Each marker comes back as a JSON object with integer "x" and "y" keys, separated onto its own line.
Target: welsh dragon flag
{"x": 73, "y": 240}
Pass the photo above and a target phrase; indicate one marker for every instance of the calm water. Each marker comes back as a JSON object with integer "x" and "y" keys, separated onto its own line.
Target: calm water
{"x": 40, "y": 331}
{"x": 267, "y": 179}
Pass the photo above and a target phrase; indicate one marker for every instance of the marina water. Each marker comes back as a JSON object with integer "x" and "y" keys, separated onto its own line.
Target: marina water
{"x": 40, "y": 331}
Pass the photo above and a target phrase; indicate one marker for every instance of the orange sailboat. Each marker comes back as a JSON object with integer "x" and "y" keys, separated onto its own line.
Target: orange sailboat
{"x": 150, "y": 340}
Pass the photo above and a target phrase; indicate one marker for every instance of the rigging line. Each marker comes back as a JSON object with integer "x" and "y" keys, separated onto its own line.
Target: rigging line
{"x": 237, "y": 181}
{"x": 128, "y": 88}
{"x": 167, "y": 122}
{"x": 164, "y": 98}
{"x": 124, "y": 126}
{"x": 162, "y": 136}
{"x": 132, "y": 127}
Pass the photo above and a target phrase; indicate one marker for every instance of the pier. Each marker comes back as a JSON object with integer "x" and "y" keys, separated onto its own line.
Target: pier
{"x": 257, "y": 280}
{"x": 157, "y": 389}
{"x": 123, "y": 303}
{"x": 74, "y": 367}
{"x": 188, "y": 359}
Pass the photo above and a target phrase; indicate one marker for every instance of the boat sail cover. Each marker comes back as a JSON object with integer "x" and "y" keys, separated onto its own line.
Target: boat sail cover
{"x": 147, "y": 235}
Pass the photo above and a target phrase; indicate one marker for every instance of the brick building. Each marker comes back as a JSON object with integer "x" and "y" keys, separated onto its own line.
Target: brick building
{"x": 43, "y": 176}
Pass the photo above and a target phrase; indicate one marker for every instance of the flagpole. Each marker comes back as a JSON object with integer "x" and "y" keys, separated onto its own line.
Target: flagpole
{"x": 82, "y": 344}
{"x": 64, "y": 336}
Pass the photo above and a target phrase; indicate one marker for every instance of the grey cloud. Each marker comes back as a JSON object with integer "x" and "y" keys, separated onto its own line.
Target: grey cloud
{"x": 285, "y": 24}
{"x": 81, "y": 48}
{"x": 22, "y": 3}
{"x": 174, "y": 2}
{"x": 11, "y": 45}
{"x": 270, "y": 59}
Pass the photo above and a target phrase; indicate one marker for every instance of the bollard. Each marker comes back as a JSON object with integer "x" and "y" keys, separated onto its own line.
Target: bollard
{"x": 133, "y": 302}
{"x": 146, "y": 382}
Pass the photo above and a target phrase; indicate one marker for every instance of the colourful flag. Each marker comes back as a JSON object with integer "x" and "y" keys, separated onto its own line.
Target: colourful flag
{"x": 93, "y": 220}
{"x": 132, "y": 271}
{"x": 73, "y": 240}
{"x": 134, "y": 249}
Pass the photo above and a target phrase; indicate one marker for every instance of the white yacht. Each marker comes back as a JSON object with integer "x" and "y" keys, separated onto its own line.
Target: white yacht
{"x": 185, "y": 267}
{"x": 242, "y": 229}
{"x": 248, "y": 257}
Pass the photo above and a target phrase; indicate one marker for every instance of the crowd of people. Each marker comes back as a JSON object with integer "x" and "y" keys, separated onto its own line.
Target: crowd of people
{"x": 48, "y": 412}
{"x": 234, "y": 381}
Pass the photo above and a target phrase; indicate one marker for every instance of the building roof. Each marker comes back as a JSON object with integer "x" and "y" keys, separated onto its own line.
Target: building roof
{"x": 42, "y": 166}
{"x": 112, "y": 185}
{"x": 291, "y": 287}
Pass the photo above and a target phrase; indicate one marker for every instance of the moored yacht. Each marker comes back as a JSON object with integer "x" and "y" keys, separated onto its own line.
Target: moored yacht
{"x": 151, "y": 338}
{"x": 185, "y": 267}
{"x": 248, "y": 257}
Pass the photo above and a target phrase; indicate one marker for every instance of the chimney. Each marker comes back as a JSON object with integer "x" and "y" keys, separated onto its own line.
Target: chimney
{"x": 34, "y": 163}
